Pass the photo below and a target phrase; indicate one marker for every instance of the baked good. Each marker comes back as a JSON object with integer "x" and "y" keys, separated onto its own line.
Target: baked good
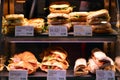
{"x": 98, "y": 16}
{"x": 10, "y": 21}
{"x": 57, "y": 18}
{"x": 54, "y": 64}
{"x": 37, "y": 23}
{"x": 78, "y": 16}
{"x": 102, "y": 60}
{"x": 54, "y": 58}
{"x": 117, "y": 63}
{"x": 15, "y": 19}
{"x": 80, "y": 67}
{"x": 24, "y": 61}
{"x": 60, "y": 7}
{"x": 2, "y": 62}
{"x": 102, "y": 28}
{"x": 92, "y": 66}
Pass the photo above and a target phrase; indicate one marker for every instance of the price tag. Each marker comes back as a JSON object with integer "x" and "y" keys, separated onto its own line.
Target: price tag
{"x": 82, "y": 30}
{"x": 105, "y": 75}
{"x": 56, "y": 75}
{"x": 58, "y": 30}
{"x": 24, "y": 31}
{"x": 18, "y": 75}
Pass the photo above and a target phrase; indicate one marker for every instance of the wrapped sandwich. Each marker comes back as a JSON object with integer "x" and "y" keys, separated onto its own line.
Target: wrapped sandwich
{"x": 24, "y": 61}
{"x": 80, "y": 67}
{"x": 54, "y": 58}
{"x": 101, "y": 60}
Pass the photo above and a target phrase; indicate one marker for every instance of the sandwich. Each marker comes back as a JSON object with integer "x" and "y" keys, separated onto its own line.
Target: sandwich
{"x": 58, "y": 18}
{"x": 80, "y": 67}
{"x": 92, "y": 66}
{"x": 15, "y": 19}
{"x": 24, "y": 61}
{"x": 11, "y": 21}
{"x": 54, "y": 58}
{"x": 78, "y": 16}
{"x": 60, "y": 7}
{"x": 102, "y": 28}
{"x": 54, "y": 64}
{"x": 102, "y": 60}
{"x": 36, "y": 23}
{"x": 98, "y": 16}
{"x": 117, "y": 63}
{"x": 2, "y": 62}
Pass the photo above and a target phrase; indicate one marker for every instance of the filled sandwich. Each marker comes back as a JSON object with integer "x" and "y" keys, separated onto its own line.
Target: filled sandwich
{"x": 54, "y": 58}
{"x": 24, "y": 61}
{"x": 80, "y": 67}
{"x": 98, "y": 16}
{"x": 60, "y": 7}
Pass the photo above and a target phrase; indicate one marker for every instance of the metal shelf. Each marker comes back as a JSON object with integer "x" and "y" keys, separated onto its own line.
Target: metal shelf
{"x": 44, "y": 39}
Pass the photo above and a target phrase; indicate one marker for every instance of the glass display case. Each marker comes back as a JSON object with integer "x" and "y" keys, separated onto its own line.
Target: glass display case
{"x": 75, "y": 46}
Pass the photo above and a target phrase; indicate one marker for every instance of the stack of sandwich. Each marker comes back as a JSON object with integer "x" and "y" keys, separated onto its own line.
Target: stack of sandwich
{"x": 80, "y": 67}
{"x": 99, "y": 20}
{"x": 59, "y": 14}
{"x": 99, "y": 60}
{"x": 54, "y": 58}
{"x": 24, "y": 61}
{"x": 12, "y": 20}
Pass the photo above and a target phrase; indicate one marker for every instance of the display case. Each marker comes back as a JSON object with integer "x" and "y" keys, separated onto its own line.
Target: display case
{"x": 75, "y": 46}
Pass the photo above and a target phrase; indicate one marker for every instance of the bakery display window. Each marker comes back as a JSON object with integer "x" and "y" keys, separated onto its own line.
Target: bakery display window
{"x": 80, "y": 56}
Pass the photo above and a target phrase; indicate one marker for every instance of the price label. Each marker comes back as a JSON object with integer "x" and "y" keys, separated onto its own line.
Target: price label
{"x": 24, "y": 31}
{"x": 82, "y": 30}
{"x": 56, "y": 75}
{"x": 18, "y": 75}
{"x": 58, "y": 30}
{"x": 105, "y": 75}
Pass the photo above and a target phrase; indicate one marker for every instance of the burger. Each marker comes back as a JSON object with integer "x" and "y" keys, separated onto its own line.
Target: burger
{"x": 98, "y": 16}
{"x": 60, "y": 7}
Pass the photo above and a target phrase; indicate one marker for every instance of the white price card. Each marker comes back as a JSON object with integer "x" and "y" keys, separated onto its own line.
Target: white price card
{"x": 24, "y": 31}
{"x": 58, "y": 30}
{"x": 56, "y": 75}
{"x": 82, "y": 30}
{"x": 105, "y": 75}
{"x": 18, "y": 75}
